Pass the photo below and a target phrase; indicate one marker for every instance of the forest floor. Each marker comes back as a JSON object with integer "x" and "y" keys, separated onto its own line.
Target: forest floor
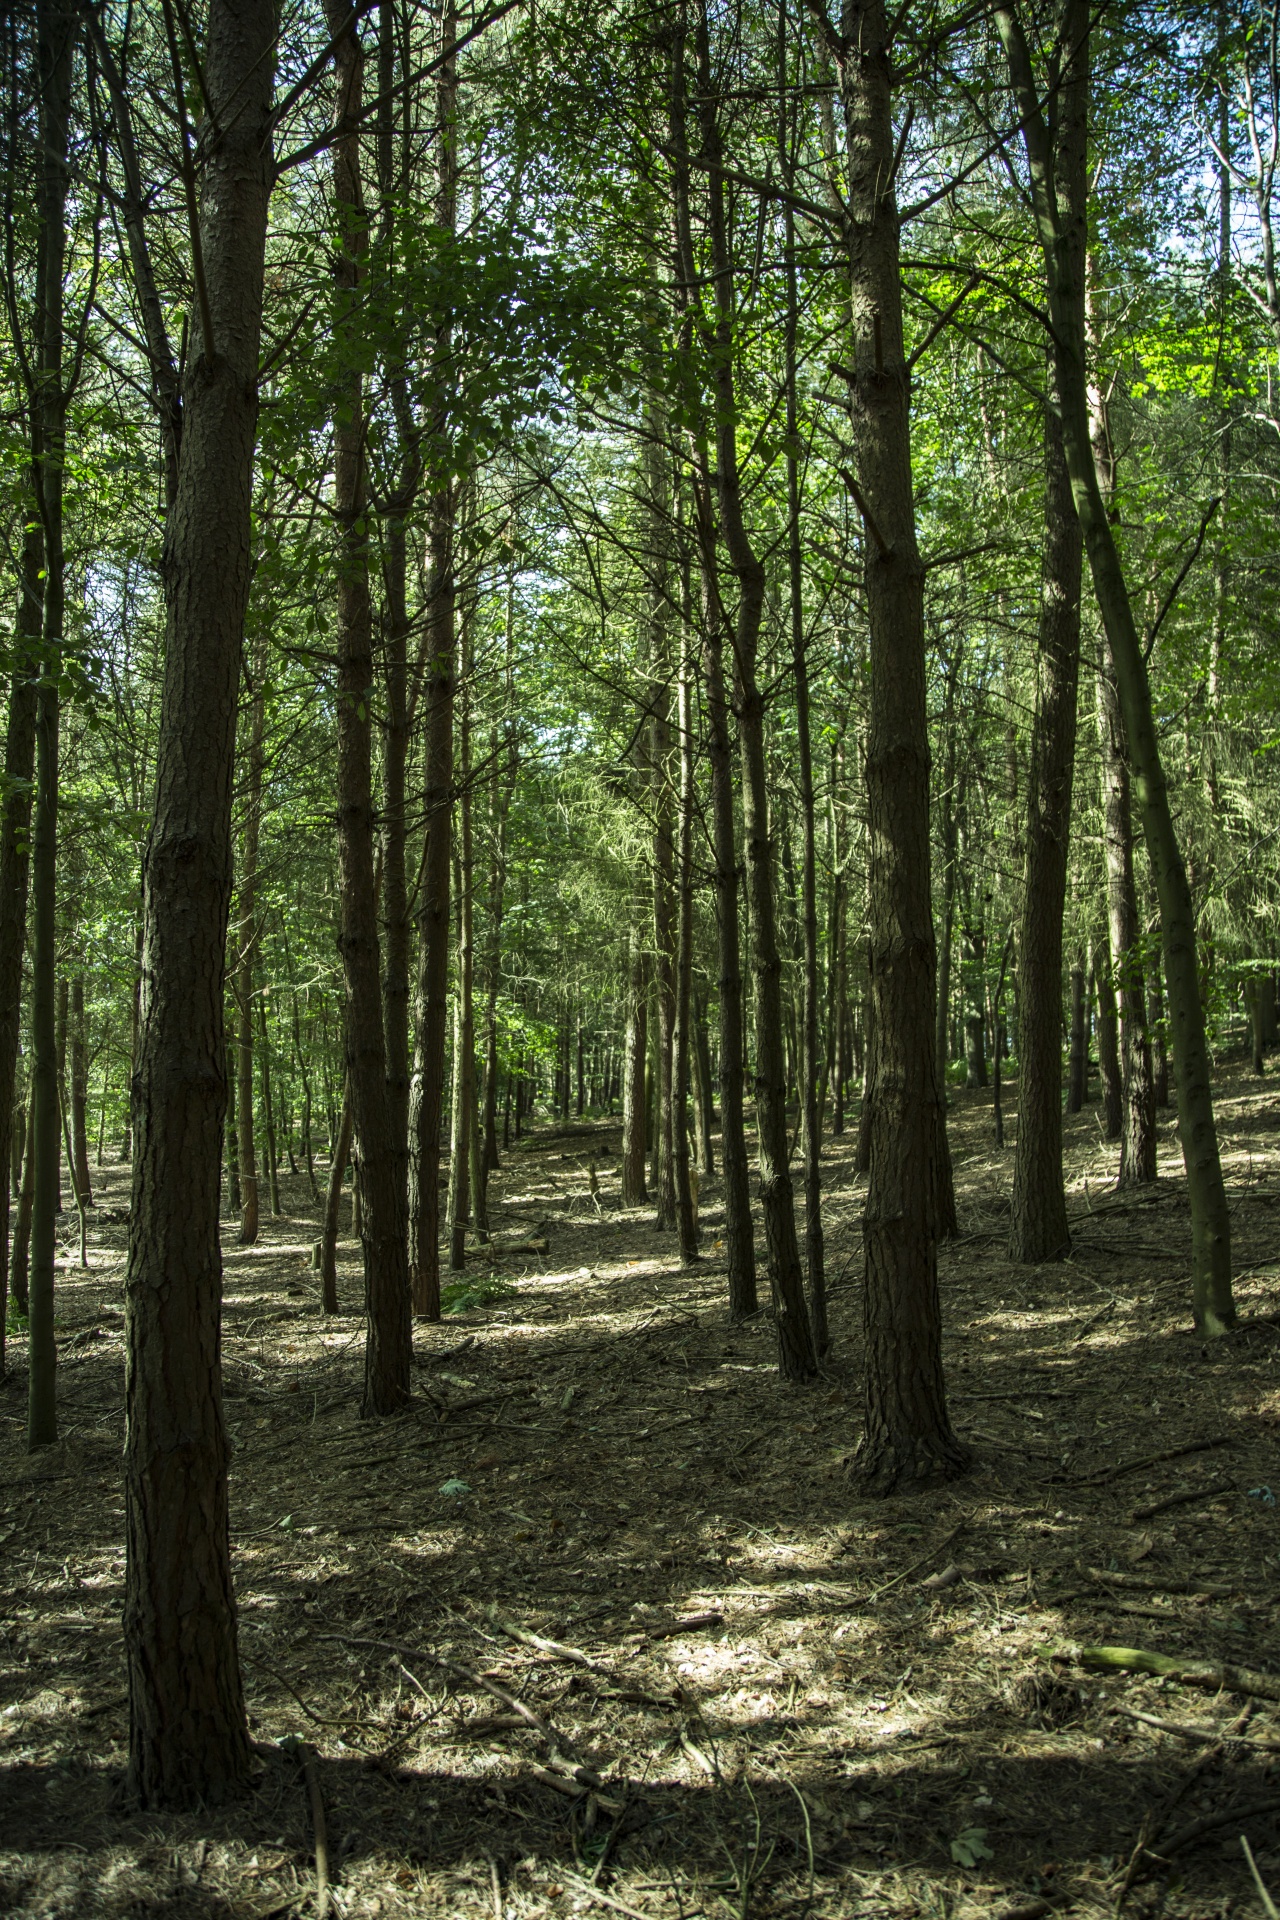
{"x": 785, "y": 1699}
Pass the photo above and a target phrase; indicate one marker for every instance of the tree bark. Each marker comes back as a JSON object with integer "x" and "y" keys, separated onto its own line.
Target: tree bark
{"x": 1108, "y": 1042}
{"x": 426, "y": 1089}
{"x": 908, "y": 1435}
{"x": 1213, "y": 1306}
{"x": 187, "y": 1734}
{"x": 80, "y": 1093}
{"x": 682, "y": 1039}
{"x": 247, "y": 947}
{"x": 339, "y": 1155}
{"x": 634, "y": 1140}
{"x": 15, "y": 858}
{"x": 389, "y": 1341}
{"x": 797, "y": 1360}
{"x": 1138, "y": 1112}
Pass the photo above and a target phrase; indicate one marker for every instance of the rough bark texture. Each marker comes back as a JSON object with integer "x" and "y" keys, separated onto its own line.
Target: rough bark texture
{"x": 15, "y": 824}
{"x": 247, "y": 950}
{"x": 1078, "y": 1072}
{"x": 634, "y": 1140}
{"x": 796, "y": 1357}
{"x": 1038, "y": 1225}
{"x": 431, "y": 996}
{"x": 908, "y": 1435}
{"x": 187, "y": 1735}
{"x": 389, "y": 1339}
{"x": 1212, "y": 1300}
{"x": 1108, "y": 1041}
{"x": 682, "y": 1046}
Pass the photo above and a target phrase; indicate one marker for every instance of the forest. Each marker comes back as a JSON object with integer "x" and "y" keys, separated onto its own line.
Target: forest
{"x": 640, "y": 959}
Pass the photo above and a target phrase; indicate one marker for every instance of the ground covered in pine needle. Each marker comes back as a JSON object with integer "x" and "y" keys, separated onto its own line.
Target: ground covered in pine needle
{"x": 603, "y": 1625}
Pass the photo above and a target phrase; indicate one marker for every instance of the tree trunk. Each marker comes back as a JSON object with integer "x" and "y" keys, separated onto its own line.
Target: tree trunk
{"x": 908, "y": 1435}
{"x": 796, "y": 1357}
{"x": 1213, "y": 1305}
{"x": 15, "y": 862}
{"x": 80, "y": 1093}
{"x": 188, "y": 1739}
{"x": 1138, "y": 1112}
{"x": 1039, "y": 1229}
{"x": 426, "y": 1088}
{"x": 1078, "y": 1067}
{"x": 703, "y": 1094}
{"x": 247, "y": 948}
{"x": 231, "y": 1137}
{"x": 268, "y": 1109}
{"x": 464, "y": 1034}
{"x": 339, "y": 1155}
{"x": 56, "y": 32}
{"x": 1108, "y": 1043}
{"x": 389, "y": 1342}
{"x": 682, "y": 1041}
{"x": 634, "y": 1139}
{"x": 21, "y": 1275}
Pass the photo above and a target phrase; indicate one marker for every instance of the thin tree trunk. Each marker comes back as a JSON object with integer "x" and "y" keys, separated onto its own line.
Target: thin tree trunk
{"x": 1078, "y": 1073}
{"x": 247, "y": 948}
{"x": 1108, "y": 1042}
{"x": 1213, "y": 1305}
{"x": 1039, "y": 1229}
{"x": 389, "y": 1341}
{"x": 268, "y": 1109}
{"x": 56, "y": 31}
{"x": 1138, "y": 1115}
{"x": 189, "y": 1742}
{"x": 21, "y": 1275}
{"x": 339, "y": 1155}
{"x": 464, "y": 1038}
{"x": 796, "y": 1357}
{"x": 682, "y": 1041}
{"x": 80, "y": 1093}
{"x": 231, "y": 1134}
{"x": 907, "y": 1434}
{"x": 634, "y": 1134}
{"x": 426, "y": 1090}
{"x": 703, "y": 1094}
{"x": 15, "y": 859}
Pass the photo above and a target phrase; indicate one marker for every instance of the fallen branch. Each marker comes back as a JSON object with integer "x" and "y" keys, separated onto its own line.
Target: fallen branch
{"x": 1205, "y": 1736}
{"x": 916, "y": 1565}
{"x": 695, "y": 1623}
{"x": 1144, "y": 1583}
{"x": 1182, "y": 1498}
{"x": 555, "y": 1648}
{"x": 1152, "y": 1460}
{"x": 1213, "y": 1822}
{"x": 1187, "y": 1673}
{"x": 305, "y": 1755}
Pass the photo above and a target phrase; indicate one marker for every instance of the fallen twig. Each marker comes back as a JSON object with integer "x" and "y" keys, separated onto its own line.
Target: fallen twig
{"x": 693, "y": 1623}
{"x": 1188, "y": 1673}
{"x": 606, "y": 1899}
{"x": 1145, "y": 1583}
{"x": 305, "y": 1755}
{"x": 1206, "y": 1736}
{"x": 1213, "y": 1822}
{"x": 1182, "y": 1498}
{"x": 574, "y": 1655}
{"x": 1104, "y": 1474}
{"x": 916, "y": 1565}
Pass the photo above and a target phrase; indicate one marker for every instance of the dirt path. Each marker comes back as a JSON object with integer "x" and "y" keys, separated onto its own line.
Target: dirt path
{"x": 766, "y": 1696}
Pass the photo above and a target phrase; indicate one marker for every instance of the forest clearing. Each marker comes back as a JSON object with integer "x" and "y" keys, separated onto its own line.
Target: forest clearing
{"x": 639, "y": 958}
{"x": 862, "y": 1677}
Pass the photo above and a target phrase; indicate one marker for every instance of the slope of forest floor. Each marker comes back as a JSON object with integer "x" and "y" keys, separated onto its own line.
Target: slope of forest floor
{"x": 780, "y": 1698}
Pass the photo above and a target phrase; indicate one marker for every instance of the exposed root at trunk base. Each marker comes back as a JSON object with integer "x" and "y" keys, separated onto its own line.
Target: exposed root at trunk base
{"x": 897, "y": 1463}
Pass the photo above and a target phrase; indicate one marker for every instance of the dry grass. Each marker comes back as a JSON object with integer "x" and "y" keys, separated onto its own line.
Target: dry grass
{"x": 865, "y": 1729}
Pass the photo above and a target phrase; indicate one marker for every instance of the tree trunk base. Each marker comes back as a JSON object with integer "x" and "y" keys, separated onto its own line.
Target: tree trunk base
{"x": 888, "y": 1463}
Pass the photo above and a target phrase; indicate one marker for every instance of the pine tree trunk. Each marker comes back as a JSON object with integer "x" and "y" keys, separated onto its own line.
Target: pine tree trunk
{"x": 268, "y": 1109}
{"x": 464, "y": 1040}
{"x": 704, "y": 1095}
{"x": 20, "y": 1278}
{"x": 682, "y": 1041}
{"x": 389, "y": 1344}
{"x": 796, "y": 1357}
{"x": 15, "y": 862}
{"x": 56, "y": 32}
{"x": 1138, "y": 1113}
{"x": 247, "y": 948}
{"x": 80, "y": 1093}
{"x": 431, "y": 998}
{"x": 187, "y": 1733}
{"x": 1213, "y": 1305}
{"x": 907, "y": 1436}
{"x": 1038, "y": 1228}
{"x": 634, "y": 1137}
{"x": 339, "y": 1155}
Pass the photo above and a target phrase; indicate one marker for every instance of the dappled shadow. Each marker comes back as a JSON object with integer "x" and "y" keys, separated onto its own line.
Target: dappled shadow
{"x": 595, "y": 1455}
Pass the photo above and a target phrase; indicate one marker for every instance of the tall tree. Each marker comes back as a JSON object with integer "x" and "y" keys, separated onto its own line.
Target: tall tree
{"x": 188, "y": 1741}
